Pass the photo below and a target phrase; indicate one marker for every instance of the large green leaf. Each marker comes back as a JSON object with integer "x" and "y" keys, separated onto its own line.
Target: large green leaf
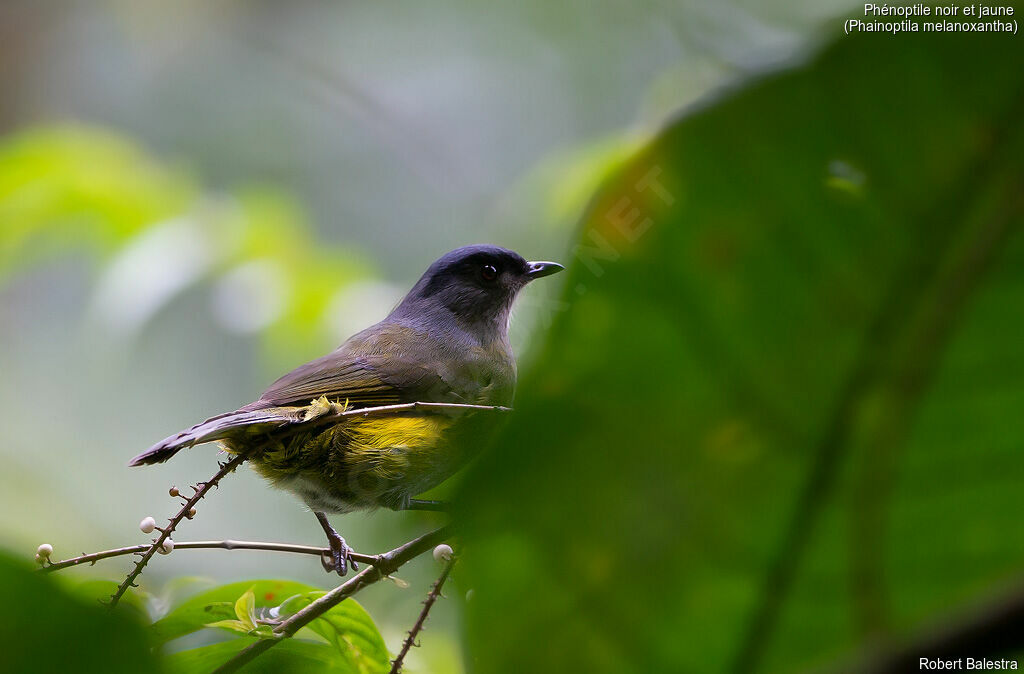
{"x": 291, "y": 655}
{"x": 778, "y": 416}
{"x": 134, "y": 600}
{"x": 352, "y": 632}
{"x": 45, "y": 628}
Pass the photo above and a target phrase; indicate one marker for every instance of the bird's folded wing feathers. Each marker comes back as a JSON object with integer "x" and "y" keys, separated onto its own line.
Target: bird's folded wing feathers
{"x": 352, "y": 381}
{"x": 379, "y": 375}
{"x": 218, "y": 428}
{"x": 364, "y": 381}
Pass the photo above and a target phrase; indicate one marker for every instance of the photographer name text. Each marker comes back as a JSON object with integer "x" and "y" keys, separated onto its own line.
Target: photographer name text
{"x": 937, "y": 664}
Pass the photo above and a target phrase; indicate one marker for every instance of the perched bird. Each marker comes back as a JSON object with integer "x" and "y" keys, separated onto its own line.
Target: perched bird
{"x": 445, "y": 342}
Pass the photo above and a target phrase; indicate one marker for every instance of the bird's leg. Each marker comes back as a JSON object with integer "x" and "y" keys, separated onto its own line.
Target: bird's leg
{"x": 423, "y": 504}
{"x": 341, "y": 554}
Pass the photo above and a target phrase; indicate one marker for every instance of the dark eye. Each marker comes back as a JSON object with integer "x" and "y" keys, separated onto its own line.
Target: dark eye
{"x": 489, "y": 272}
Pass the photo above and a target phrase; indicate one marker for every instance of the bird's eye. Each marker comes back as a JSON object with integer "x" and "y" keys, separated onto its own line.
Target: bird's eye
{"x": 489, "y": 272}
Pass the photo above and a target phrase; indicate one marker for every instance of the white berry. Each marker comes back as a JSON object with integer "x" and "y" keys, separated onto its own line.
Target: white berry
{"x": 166, "y": 547}
{"x": 147, "y": 525}
{"x": 443, "y": 552}
{"x": 44, "y": 551}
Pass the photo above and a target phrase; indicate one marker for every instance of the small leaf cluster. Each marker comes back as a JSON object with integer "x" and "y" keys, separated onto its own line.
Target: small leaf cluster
{"x": 345, "y": 639}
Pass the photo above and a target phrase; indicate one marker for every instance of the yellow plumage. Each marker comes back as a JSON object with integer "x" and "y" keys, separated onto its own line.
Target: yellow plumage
{"x": 391, "y": 447}
{"x": 361, "y": 461}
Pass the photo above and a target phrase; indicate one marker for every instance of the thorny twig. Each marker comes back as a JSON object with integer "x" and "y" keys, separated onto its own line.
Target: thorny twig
{"x": 435, "y": 592}
{"x": 200, "y": 490}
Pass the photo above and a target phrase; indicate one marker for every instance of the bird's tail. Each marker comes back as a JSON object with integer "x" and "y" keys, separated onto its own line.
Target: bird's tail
{"x": 232, "y": 424}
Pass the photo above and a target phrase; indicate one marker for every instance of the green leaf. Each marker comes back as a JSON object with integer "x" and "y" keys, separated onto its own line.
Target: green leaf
{"x": 44, "y": 627}
{"x": 240, "y": 626}
{"x": 351, "y": 630}
{"x": 223, "y": 603}
{"x": 220, "y": 609}
{"x": 134, "y": 599}
{"x": 292, "y": 605}
{"x": 290, "y": 655}
{"x": 779, "y": 415}
{"x": 245, "y": 608}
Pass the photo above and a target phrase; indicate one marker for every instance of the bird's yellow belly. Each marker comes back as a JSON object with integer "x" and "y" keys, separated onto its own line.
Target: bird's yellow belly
{"x": 365, "y": 462}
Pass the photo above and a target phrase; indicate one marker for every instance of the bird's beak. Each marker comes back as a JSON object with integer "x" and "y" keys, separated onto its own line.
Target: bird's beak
{"x": 539, "y": 269}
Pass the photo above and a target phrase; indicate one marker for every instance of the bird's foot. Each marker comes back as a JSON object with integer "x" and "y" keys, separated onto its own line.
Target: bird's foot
{"x": 340, "y": 556}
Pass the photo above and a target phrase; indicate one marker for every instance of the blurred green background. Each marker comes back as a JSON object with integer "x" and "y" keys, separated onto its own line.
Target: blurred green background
{"x": 770, "y": 419}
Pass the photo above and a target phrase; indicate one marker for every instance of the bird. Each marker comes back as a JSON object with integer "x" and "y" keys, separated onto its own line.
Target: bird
{"x": 445, "y": 342}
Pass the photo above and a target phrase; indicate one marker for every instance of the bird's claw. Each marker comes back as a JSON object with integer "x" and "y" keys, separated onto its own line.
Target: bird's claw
{"x": 340, "y": 557}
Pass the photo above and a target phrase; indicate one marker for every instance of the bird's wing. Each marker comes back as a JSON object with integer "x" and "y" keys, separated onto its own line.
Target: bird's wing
{"x": 373, "y": 368}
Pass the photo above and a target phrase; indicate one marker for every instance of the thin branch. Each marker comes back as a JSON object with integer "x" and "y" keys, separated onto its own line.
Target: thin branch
{"x": 200, "y": 491}
{"x": 384, "y": 565}
{"x": 384, "y": 410}
{"x": 201, "y": 545}
{"x": 435, "y": 592}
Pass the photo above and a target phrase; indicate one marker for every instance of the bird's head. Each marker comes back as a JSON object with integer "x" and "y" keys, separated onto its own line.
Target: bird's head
{"x": 477, "y": 284}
